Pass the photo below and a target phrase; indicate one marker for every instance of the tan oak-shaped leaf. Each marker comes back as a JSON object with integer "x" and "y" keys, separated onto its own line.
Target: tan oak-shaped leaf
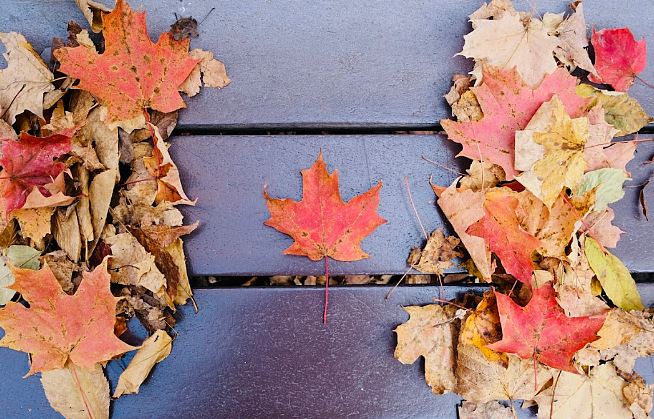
{"x": 322, "y": 224}
{"x": 620, "y": 110}
{"x": 482, "y": 381}
{"x": 551, "y": 151}
{"x": 500, "y": 229}
{"x": 58, "y": 327}
{"x": 28, "y": 165}
{"x": 25, "y": 79}
{"x": 508, "y": 105}
{"x": 133, "y": 73}
{"x": 162, "y": 167}
{"x": 77, "y": 392}
{"x": 153, "y": 350}
{"x": 542, "y": 332}
{"x": 597, "y": 395}
{"x": 506, "y": 43}
{"x": 463, "y": 208}
{"x": 431, "y": 332}
{"x": 615, "y": 278}
{"x": 436, "y": 255}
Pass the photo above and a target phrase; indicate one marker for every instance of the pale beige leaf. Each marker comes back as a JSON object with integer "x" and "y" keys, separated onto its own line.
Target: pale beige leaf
{"x": 506, "y": 43}
{"x": 100, "y": 193}
{"x": 482, "y": 381}
{"x": 213, "y": 73}
{"x": 65, "y": 229}
{"x": 83, "y": 207}
{"x": 25, "y": 79}
{"x": 597, "y": 395}
{"x": 105, "y": 140}
{"x": 89, "y": 399}
{"x": 490, "y": 410}
{"x": 153, "y": 350}
{"x": 573, "y": 40}
{"x": 431, "y": 332}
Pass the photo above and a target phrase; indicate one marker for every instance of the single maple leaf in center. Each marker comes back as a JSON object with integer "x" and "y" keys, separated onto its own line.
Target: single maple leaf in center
{"x": 28, "y": 164}
{"x": 541, "y": 330}
{"x": 322, "y": 224}
{"x": 133, "y": 73}
{"x": 59, "y": 327}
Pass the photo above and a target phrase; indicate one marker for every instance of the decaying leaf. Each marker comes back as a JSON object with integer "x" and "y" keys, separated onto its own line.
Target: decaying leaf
{"x": 435, "y": 257}
{"x": 482, "y": 327}
{"x": 153, "y": 350}
{"x": 430, "y": 332}
{"x": 133, "y": 73}
{"x": 77, "y": 392}
{"x": 24, "y": 81}
{"x": 59, "y": 327}
{"x": 490, "y": 410}
{"x": 638, "y": 396}
{"x": 208, "y": 70}
{"x": 573, "y": 40}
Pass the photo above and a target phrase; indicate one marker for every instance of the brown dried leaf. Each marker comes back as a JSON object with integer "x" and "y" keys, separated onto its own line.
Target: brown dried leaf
{"x": 490, "y": 410}
{"x": 35, "y": 224}
{"x": 435, "y": 257}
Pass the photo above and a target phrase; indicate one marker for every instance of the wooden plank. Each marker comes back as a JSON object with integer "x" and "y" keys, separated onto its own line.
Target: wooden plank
{"x": 298, "y": 63}
{"x": 227, "y": 175}
{"x": 264, "y": 353}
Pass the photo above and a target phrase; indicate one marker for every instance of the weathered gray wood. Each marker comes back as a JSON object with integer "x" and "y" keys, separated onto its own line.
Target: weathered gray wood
{"x": 227, "y": 174}
{"x": 299, "y": 63}
{"x": 264, "y": 353}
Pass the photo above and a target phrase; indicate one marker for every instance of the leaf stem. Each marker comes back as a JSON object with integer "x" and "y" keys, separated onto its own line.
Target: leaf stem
{"x": 81, "y": 390}
{"x": 645, "y": 83}
{"x": 324, "y": 315}
{"x": 406, "y": 181}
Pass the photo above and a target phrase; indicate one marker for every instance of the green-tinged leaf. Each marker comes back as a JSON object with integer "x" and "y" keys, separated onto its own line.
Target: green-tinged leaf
{"x": 620, "y": 110}
{"x": 615, "y": 278}
{"x": 608, "y": 182}
{"x": 22, "y": 257}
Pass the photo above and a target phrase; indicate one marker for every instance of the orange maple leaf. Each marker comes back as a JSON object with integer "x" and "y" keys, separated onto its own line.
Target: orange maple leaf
{"x": 133, "y": 73}
{"x": 59, "y": 327}
{"x": 322, "y": 224}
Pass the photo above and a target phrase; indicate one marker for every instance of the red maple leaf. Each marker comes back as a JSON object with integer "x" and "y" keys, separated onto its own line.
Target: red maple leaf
{"x": 322, "y": 225}
{"x": 501, "y": 230}
{"x": 508, "y": 104}
{"x": 541, "y": 330}
{"x": 618, "y": 57}
{"x": 59, "y": 327}
{"x": 133, "y": 73}
{"x": 28, "y": 163}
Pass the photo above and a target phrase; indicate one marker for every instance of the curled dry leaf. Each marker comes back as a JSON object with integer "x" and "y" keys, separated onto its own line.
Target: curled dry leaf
{"x": 430, "y": 332}
{"x": 77, "y": 392}
{"x": 482, "y": 327}
{"x": 573, "y": 40}
{"x": 93, "y": 12}
{"x": 153, "y": 350}
{"x": 208, "y": 70}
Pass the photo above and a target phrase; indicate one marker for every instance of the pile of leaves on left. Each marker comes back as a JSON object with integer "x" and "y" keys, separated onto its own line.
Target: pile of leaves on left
{"x": 89, "y": 229}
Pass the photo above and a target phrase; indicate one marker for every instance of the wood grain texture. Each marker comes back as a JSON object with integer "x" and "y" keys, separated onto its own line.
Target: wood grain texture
{"x": 337, "y": 63}
{"x": 227, "y": 174}
{"x": 264, "y": 353}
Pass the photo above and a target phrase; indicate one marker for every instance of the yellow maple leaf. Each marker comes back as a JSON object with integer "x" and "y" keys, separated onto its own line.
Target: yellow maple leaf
{"x": 550, "y": 151}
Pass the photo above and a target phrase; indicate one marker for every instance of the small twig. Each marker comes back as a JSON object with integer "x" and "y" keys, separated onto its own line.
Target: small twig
{"x": 442, "y": 166}
{"x": 414, "y": 208}
{"x": 398, "y": 283}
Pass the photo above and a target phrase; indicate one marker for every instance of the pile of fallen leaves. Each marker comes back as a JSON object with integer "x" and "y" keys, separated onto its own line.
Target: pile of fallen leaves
{"x": 565, "y": 325}
{"x": 88, "y": 201}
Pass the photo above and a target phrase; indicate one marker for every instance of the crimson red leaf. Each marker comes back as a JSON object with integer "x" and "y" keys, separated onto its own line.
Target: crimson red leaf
{"x": 618, "y": 57}
{"x": 542, "y": 331}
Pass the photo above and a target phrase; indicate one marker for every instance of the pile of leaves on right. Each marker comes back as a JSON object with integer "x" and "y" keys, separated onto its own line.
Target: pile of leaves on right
{"x": 565, "y": 324}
